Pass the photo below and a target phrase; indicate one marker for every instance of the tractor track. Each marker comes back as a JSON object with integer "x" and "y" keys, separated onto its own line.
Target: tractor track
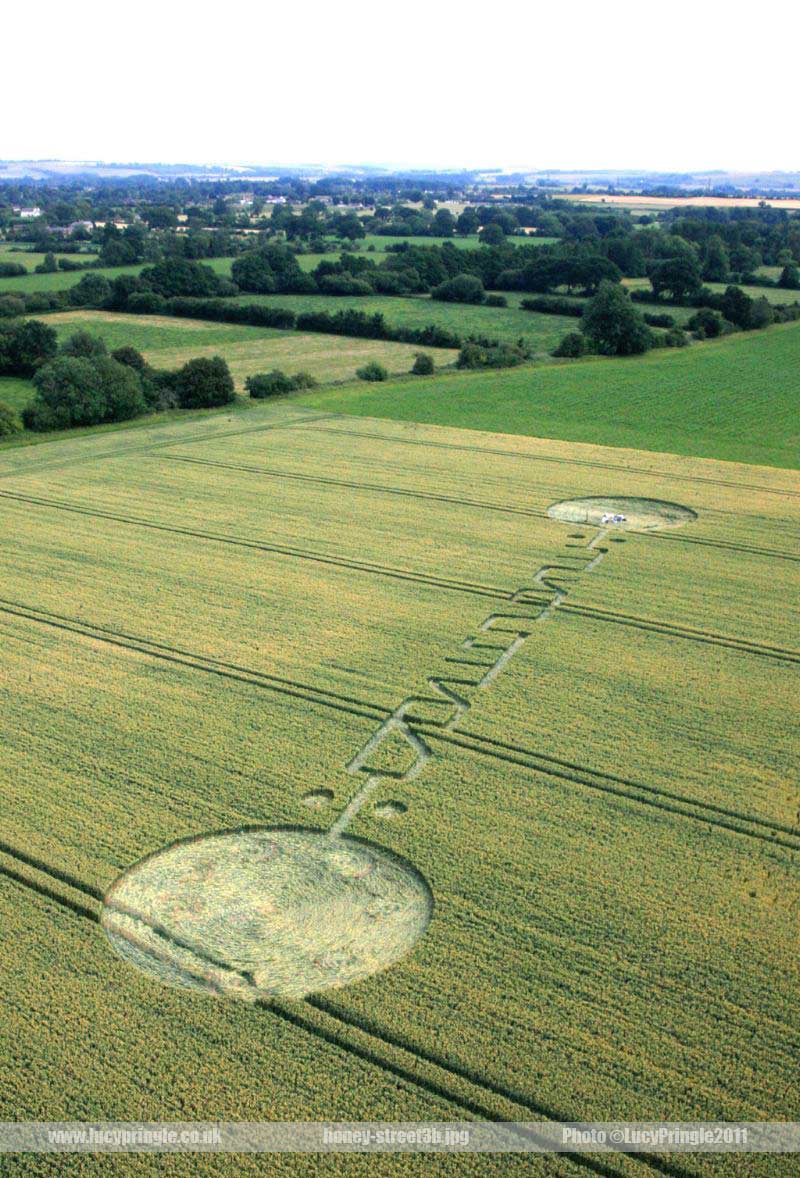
{"x": 548, "y": 766}
{"x": 726, "y": 546}
{"x": 370, "y": 1052}
{"x": 197, "y": 662}
{"x": 745, "y": 646}
{"x": 485, "y": 505}
{"x": 398, "y": 574}
{"x": 145, "y": 447}
{"x": 553, "y": 458}
{"x": 649, "y": 795}
{"x": 673, "y": 630}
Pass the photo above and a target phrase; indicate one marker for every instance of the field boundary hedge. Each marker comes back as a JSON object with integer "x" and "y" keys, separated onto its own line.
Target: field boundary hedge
{"x": 358, "y": 324}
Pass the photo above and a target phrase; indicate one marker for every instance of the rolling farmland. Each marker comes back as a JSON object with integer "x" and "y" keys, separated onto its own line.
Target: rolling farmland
{"x": 31, "y": 258}
{"x": 59, "y": 279}
{"x": 734, "y": 398}
{"x": 773, "y": 294}
{"x": 580, "y": 738}
{"x": 649, "y": 203}
{"x": 15, "y": 391}
{"x": 471, "y": 241}
{"x": 168, "y": 343}
{"x": 64, "y": 279}
{"x": 541, "y": 332}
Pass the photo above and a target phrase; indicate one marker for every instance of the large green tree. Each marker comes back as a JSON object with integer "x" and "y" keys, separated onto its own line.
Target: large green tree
{"x": 92, "y": 291}
{"x": 468, "y": 223}
{"x": 203, "y": 383}
{"x": 79, "y": 390}
{"x": 461, "y": 288}
{"x": 678, "y": 277}
{"x": 716, "y": 261}
{"x": 613, "y": 325}
{"x": 492, "y": 234}
{"x": 444, "y": 223}
{"x": 25, "y": 346}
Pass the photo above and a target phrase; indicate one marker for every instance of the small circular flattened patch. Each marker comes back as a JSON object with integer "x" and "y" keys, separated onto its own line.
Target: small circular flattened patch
{"x": 256, "y": 914}
{"x": 391, "y": 809}
{"x": 642, "y": 514}
{"x": 317, "y": 798}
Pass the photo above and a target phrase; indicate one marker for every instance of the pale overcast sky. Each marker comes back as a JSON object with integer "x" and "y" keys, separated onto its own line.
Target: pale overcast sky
{"x": 687, "y": 85}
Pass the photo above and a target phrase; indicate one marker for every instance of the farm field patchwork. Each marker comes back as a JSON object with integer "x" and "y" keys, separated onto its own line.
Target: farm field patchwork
{"x": 15, "y": 391}
{"x": 31, "y": 258}
{"x": 64, "y": 279}
{"x": 734, "y": 399}
{"x": 60, "y": 280}
{"x": 773, "y": 294}
{"x": 167, "y": 342}
{"x": 681, "y": 315}
{"x": 382, "y": 242}
{"x": 646, "y": 203}
{"x": 210, "y": 624}
{"x": 541, "y": 332}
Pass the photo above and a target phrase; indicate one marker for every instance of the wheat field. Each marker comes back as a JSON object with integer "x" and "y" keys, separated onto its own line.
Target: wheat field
{"x": 580, "y": 737}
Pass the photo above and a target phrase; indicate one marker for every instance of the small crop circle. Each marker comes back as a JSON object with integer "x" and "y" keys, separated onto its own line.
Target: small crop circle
{"x": 391, "y": 809}
{"x": 623, "y": 512}
{"x": 317, "y": 798}
{"x": 255, "y": 914}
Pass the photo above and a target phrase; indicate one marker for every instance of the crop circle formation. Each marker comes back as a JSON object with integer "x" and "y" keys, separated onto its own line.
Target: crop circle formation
{"x": 258, "y": 914}
{"x": 642, "y": 514}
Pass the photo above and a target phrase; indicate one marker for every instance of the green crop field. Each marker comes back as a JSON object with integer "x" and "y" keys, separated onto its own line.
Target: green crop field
{"x": 30, "y": 258}
{"x": 168, "y": 343}
{"x": 470, "y": 242}
{"x": 680, "y": 315}
{"x": 735, "y": 398}
{"x": 547, "y": 865}
{"x": 60, "y": 280}
{"x": 510, "y": 323}
{"x": 64, "y": 279}
{"x": 15, "y": 392}
{"x": 772, "y": 294}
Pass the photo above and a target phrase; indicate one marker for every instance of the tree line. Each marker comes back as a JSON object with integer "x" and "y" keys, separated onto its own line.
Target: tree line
{"x": 78, "y": 383}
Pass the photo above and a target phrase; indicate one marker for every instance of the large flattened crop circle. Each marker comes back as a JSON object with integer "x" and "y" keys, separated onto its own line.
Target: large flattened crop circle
{"x": 641, "y": 514}
{"x": 256, "y": 914}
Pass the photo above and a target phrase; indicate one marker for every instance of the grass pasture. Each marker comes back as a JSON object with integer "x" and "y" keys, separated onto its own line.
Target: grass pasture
{"x": 773, "y": 294}
{"x": 470, "y": 242}
{"x": 15, "y": 391}
{"x": 204, "y": 622}
{"x": 60, "y": 280}
{"x": 168, "y": 343}
{"x": 30, "y": 258}
{"x": 64, "y": 279}
{"x": 542, "y": 332}
{"x": 733, "y": 398}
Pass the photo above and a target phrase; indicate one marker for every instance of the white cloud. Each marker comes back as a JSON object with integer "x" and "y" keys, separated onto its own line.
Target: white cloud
{"x": 687, "y": 86}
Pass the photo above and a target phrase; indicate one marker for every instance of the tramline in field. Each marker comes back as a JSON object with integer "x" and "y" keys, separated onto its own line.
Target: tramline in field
{"x": 254, "y": 914}
{"x": 231, "y": 645}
